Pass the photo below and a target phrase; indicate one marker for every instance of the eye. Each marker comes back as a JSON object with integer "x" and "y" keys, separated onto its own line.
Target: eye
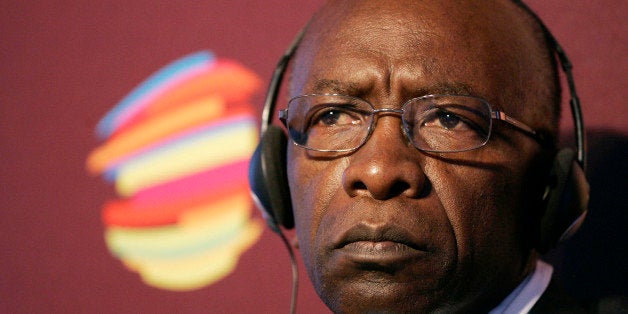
{"x": 444, "y": 119}
{"x": 329, "y": 117}
{"x": 334, "y": 116}
{"x": 447, "y": 119}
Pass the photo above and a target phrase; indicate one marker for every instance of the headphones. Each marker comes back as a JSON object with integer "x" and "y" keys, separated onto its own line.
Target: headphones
{"x": 566, "y": 195}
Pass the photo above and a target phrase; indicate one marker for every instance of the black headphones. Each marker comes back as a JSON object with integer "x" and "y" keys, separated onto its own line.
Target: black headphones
{"x": 566, "y": 196}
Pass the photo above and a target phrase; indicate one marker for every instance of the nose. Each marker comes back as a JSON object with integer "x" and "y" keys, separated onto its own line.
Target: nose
{"x": 386, "y": 166}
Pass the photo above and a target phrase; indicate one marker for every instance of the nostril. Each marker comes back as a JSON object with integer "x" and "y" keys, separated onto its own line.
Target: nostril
{"x": 359, "y": 185}
{"x": 404, "y": 187}
{"x": 398, "y": 188}
{"x": 425, "y": 189}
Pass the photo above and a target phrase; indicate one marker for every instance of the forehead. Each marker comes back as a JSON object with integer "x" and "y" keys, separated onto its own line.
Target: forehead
{"x": 416, "y": 47}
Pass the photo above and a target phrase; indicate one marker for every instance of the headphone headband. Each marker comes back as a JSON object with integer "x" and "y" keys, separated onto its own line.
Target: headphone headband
{"x": 275, "y": 82}
{"x": 574, "y": 102}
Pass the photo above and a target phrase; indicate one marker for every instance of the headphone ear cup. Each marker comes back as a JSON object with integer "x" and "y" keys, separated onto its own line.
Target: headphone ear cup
{"x": 269, "y": 180}
{"x": 566, "y": 201}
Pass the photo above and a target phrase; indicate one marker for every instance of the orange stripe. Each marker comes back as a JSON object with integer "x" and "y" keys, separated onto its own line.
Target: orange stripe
{"x": 152, "y": 131}
{"x": 229, "y": 80}
{"x": 126, "y": 213}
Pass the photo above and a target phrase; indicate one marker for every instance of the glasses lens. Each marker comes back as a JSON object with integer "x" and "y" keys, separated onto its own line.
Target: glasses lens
{"x": 328, "y": 122}
{"x": 447, "y": 123}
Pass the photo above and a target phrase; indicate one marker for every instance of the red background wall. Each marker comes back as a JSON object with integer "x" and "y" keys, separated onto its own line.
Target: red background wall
{"x": 65, "y": 63}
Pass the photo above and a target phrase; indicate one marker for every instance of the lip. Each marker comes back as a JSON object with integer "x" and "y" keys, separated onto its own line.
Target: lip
{"x": 379, "y": 246}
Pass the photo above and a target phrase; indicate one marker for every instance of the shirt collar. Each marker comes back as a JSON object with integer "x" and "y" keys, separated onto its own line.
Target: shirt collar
{"x": 523, "y": 298}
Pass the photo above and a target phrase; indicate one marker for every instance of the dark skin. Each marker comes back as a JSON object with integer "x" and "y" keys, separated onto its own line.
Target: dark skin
{"x": 388, "y": 228}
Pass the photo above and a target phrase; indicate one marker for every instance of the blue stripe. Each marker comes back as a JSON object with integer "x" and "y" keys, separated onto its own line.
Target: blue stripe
{"x": 106, "y": 126}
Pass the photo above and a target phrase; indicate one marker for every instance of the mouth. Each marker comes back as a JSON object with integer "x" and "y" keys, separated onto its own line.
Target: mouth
{"x": 379, "y": 247}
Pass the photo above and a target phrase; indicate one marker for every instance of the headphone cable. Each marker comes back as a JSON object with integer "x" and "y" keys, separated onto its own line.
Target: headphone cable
{"x": 295, "y": 272}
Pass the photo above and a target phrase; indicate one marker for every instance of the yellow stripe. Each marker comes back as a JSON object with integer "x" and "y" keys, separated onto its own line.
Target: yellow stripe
{"x": 193, "y": 272}
{"x": 182, "y": 160}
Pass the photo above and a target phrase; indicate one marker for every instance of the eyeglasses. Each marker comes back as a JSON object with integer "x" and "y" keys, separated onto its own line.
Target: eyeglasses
{"x": 432, "y": 123}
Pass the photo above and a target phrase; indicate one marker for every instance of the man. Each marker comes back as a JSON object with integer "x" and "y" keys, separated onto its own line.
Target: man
{"x": 420, "y": 213}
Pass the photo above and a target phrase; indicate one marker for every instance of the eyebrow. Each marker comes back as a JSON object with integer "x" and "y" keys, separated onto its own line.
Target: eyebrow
{"x": 349, "y": 88}
{"x": 335, "y": 86}
{"x": 457, "y": 88}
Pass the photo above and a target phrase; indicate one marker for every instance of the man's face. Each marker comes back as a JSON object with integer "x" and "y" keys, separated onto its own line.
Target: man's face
{"x": 388, "y": 227}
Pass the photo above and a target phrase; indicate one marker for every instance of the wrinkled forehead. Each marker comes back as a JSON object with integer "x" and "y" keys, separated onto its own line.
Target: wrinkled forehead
{"x": 343, "y": 18}
{"x": 352, "y": 21}
{"x": 432, "y": 37}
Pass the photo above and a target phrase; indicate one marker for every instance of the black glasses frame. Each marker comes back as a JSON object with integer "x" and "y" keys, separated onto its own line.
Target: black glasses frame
{"x": 492, "y": 114}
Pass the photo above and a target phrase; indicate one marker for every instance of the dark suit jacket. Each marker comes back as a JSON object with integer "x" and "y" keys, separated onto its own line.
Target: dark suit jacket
{"x": 556, "y": 300}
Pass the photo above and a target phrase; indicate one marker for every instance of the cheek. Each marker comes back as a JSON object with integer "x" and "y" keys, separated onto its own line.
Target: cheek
{"x": 313, "y": 184}
{"x": 483, "y": 205}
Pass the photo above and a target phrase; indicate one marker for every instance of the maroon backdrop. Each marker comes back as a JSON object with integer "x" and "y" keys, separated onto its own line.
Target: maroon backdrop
{"x": 65, "y": 63}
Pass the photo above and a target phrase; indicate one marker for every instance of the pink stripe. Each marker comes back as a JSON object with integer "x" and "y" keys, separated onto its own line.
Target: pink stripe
{"x": 201, "y": 183}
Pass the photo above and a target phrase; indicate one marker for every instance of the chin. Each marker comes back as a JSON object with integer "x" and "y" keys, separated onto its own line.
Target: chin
{"x": 378, "y": 296}
{"x": 381, "y": 293}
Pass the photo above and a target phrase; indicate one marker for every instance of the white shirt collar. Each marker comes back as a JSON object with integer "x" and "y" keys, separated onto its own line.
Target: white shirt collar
{"x": 523, "y": 298}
